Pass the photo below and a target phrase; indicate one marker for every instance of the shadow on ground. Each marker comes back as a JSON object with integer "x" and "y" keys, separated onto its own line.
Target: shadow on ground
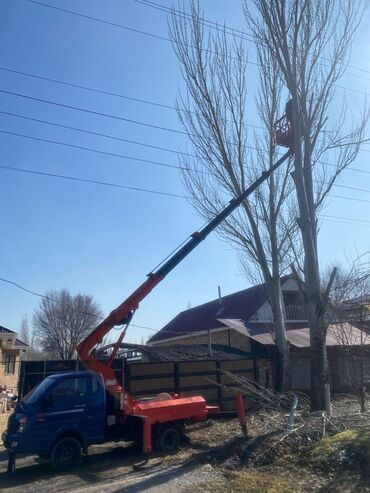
{"x": 111, "y": 467}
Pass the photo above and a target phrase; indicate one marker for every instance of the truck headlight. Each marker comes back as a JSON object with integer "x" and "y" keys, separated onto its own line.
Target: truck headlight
{"x": 22, "y": 423}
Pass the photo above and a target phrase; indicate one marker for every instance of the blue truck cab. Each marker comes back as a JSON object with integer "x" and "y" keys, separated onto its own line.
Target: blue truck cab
{"x": 60, "y": 417}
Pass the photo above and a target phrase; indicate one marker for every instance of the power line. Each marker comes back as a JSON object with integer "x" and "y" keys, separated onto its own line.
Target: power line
{"x": 163, "y": 38}
{"x": 99, "y": 113}
{"x": 138, "y": 189}
{"x": 86, "y": 180}
{"x": 25, "y": 289}
{"x": 216, "y": 26}
{"x": 108, "y": 115}
{"x": 350, "y": 198}
{"x": 346, "y": 219}
{"x": 114, "y": 24}
{"x": 157, "y": 163}
{"x": 108, "y": 136}
{"x": 141, "y": 160}
{"x": 166, "y": 149}
{"x": 86, "y": 88}
{"x": 39, "y": 295}
{"x": 107, "y": 93}
{"x": 90, "y": 149}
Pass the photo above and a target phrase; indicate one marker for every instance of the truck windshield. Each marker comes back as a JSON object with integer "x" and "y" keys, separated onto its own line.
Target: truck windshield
{"x": 37, "y": 392}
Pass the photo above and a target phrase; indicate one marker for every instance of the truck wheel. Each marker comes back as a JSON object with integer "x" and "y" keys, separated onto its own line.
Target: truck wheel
{"x": 65, "y": 453}
{"x": 169, "y": 439}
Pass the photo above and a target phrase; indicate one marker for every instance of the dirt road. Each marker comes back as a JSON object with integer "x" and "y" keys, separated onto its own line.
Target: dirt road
{"x": 112, "y": 468}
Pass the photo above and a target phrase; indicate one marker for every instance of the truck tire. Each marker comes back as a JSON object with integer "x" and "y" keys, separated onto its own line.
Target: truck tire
{"x": 65, "y": 453}
{"x": 169, "y": 439}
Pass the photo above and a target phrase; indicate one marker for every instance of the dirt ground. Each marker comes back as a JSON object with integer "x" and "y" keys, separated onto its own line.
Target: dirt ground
{"x": 114, "y": 468}
{"x": 218, "y": 458}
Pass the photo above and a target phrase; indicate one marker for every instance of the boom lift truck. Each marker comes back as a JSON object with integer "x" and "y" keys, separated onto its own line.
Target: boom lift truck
{"x": 68, "y": 412}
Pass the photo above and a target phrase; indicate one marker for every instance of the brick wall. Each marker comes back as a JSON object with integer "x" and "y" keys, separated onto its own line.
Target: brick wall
{"x": 227, "y": 337}
{"x": 9, "y": 379}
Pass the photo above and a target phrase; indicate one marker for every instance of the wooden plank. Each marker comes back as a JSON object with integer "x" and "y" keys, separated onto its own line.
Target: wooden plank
{"x": 197, "y": 381}
{"x": 244, "y": 364}
{"x": 229, "y": 404}
{"x": 163, "y": 384}
{"x": 195, "y": 366}
{"x": 229, "y": 392}
{"x": 227, "y": 379}
{"x": 207, "y": 394}
{"x": 137, "y": 369}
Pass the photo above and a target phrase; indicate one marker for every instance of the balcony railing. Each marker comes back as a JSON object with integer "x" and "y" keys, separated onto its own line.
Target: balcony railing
{"x": 295, "y": 312}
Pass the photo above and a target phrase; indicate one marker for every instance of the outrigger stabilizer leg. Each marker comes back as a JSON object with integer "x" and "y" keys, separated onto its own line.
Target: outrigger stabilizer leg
{"x": 11, "y": 463}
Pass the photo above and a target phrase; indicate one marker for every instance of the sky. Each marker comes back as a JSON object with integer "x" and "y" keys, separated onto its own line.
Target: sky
{"x": 101, "y": 240}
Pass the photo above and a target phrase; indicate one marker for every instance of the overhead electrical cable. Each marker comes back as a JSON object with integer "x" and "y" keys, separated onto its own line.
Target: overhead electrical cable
{"x": 85, "y": 148}
{"x": 39, "y": 295}
{"x": 348, "y": 219}
{"x": 88, "y": 180}
{"x": 86, "y": 88}
{"x": 248, "y": 37}
{"x": 115, "y": 24}
{"x": 163, "y": 38}
{"x": 107, "y": 93}
{"x": 100, "y": 134}
{"x": 98, "y": 113}
{"x": 49, "y": 141}
{"x": 117, "y": 185}
{"x": 89, "y": 149}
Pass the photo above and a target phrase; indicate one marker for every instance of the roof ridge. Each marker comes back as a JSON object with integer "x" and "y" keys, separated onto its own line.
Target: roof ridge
{"x": 6, "y": 331}
{"x": 257, "y": 286}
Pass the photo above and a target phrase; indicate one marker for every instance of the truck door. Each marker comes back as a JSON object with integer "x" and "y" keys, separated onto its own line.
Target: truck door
{"x": 65, "y": 408}
{"x": 96, "y": 409}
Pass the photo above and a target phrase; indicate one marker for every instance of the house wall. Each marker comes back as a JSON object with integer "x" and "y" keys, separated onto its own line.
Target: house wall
{"x": 227, "y": 337}
{"x": 264, "y": 313}
{"x": 9, "y": 379}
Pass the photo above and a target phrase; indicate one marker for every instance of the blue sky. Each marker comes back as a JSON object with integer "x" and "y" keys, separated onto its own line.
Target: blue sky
{"x": 101, "y": 240}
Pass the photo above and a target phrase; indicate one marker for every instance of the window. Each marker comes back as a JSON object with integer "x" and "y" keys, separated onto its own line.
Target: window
{"x": 9, "y": 363}
{"x": 72, "y": 387}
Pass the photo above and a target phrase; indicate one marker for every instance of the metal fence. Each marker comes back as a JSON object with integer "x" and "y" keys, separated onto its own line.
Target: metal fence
{"x": 206, "y": 378}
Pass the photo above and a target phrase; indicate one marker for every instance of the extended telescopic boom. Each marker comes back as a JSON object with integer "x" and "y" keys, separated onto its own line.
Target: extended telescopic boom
{"x": 124, "y": 313}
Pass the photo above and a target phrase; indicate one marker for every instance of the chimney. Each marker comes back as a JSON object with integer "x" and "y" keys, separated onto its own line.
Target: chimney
{"x": 219, "y": 295}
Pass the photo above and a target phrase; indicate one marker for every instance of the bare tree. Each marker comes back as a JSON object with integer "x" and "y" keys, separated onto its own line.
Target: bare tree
{"x": 309, "y": 41}
{"x": 213, "y": 112}
{"x": 350, "y": 309}
{"x": 25, "y": 332}
{"x": 27, "y": 335}
{"x": 63, "y": 320}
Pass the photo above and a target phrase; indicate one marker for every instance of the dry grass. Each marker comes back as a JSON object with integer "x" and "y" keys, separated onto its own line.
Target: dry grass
{"x": 251, "y": 482}
{"x": 348, "y": 450}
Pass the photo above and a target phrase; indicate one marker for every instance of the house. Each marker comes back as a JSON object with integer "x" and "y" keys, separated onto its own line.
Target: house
{"x": 243, "y": 320}
{"x": 11, "y": 350}
{"x": 193, "y": 326}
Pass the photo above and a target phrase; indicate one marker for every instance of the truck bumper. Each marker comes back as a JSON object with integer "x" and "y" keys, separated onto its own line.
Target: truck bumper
{"x": 11, "y": 442}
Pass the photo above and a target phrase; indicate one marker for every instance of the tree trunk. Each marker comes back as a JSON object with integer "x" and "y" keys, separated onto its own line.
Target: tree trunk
{"x": 319, "y": 364}
{"x": 282, "y": 345}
